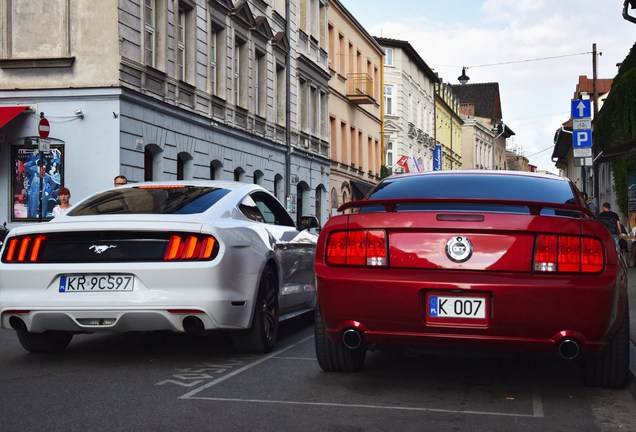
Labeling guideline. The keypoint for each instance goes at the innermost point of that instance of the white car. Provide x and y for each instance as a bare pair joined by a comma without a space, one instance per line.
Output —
180,256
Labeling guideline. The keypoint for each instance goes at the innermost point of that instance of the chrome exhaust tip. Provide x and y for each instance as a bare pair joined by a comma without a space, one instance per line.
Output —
193,325
569,349
352,339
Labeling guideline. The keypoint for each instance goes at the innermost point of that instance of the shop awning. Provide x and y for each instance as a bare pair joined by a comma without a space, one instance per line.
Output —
362,189
8,113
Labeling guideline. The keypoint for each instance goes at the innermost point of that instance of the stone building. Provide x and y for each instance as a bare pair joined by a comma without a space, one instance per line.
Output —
164,90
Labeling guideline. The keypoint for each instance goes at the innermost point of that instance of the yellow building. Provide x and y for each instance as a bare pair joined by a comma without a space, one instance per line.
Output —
448,126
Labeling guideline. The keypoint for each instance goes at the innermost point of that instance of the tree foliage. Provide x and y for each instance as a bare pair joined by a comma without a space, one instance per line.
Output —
616,125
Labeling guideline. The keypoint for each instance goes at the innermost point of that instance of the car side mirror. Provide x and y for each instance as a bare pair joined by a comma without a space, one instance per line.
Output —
308,222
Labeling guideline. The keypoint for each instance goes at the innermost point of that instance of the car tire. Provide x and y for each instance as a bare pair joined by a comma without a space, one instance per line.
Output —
334,356
48,341
262,335
609,368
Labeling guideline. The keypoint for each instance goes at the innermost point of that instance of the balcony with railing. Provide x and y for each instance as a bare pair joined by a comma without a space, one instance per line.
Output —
360,88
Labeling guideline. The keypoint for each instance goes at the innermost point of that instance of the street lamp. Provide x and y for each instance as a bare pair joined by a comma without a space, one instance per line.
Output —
463,78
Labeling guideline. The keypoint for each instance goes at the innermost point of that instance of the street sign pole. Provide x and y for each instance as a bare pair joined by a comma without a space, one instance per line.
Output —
581,113
44,129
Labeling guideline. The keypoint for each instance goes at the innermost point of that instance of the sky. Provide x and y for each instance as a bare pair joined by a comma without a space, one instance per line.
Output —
546,44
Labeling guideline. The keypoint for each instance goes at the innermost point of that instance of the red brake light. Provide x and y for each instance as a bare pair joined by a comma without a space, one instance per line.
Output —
182,247
358,248
592,258
568,254
23,249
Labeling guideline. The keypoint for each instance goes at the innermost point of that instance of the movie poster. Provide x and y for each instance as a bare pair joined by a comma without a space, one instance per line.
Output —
31,182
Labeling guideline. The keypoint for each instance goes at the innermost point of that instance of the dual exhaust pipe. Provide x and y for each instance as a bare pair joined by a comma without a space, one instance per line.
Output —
568,348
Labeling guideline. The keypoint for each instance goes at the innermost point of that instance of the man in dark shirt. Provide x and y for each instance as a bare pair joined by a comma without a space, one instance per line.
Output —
615,225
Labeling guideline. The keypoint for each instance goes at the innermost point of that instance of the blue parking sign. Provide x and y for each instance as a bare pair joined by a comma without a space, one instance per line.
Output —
582,138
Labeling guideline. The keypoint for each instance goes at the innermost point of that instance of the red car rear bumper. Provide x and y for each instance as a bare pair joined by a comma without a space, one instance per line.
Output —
523,314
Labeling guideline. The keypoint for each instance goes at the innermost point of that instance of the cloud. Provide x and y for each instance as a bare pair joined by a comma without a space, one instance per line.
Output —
535,94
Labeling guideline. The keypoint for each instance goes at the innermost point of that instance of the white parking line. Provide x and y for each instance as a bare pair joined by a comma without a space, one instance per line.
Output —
241,370
537,401
383,407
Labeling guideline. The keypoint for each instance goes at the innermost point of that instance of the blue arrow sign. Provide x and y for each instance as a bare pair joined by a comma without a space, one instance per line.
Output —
582,138
581,108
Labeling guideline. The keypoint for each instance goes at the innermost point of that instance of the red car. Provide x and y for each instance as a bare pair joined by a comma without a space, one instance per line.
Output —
492,260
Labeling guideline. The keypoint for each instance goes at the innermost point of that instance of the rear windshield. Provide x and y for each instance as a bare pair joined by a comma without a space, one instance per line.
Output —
500,187
155,200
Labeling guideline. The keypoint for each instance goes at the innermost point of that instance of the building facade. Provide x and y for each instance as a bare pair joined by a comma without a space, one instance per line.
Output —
165,90
448,126
409,107
484,133
355,107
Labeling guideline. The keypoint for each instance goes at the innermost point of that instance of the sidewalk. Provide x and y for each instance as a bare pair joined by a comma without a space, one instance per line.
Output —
631,294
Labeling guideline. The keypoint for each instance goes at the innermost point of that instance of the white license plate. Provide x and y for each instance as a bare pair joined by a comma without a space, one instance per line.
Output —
96,283
456,307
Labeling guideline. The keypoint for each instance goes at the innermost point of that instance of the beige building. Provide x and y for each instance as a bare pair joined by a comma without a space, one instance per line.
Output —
355,107
409,108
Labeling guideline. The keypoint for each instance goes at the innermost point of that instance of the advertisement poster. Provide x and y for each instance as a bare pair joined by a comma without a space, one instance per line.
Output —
27,176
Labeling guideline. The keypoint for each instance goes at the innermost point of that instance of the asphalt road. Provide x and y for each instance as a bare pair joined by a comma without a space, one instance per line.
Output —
161,381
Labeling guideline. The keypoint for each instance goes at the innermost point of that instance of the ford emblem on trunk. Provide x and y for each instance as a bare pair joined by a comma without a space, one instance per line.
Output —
100,249
459,249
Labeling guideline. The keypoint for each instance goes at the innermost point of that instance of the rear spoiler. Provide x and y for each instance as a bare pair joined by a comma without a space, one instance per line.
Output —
535,207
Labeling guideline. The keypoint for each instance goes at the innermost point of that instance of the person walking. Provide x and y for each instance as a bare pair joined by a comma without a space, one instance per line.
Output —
613,223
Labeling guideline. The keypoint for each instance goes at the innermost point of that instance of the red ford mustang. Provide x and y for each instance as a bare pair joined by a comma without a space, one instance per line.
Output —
473,259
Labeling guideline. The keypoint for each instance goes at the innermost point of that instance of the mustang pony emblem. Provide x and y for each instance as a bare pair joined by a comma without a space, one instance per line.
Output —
101,249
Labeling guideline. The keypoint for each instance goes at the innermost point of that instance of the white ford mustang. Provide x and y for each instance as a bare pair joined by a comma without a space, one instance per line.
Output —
180,256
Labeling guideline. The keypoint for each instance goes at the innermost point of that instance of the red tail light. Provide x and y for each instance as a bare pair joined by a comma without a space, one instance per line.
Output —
188,247
568,254
357,248
24,249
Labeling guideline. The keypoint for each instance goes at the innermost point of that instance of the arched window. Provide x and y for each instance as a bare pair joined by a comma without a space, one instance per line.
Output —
321,207
152,162
216,170
239,174
184,166
259,177
279,188
303,204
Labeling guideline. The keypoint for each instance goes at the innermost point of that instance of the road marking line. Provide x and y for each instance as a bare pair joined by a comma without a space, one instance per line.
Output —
537,402
384,407
296,358
243,369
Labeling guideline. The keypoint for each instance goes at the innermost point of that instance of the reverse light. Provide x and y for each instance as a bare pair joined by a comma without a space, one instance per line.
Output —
357,248
189,247
568,254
